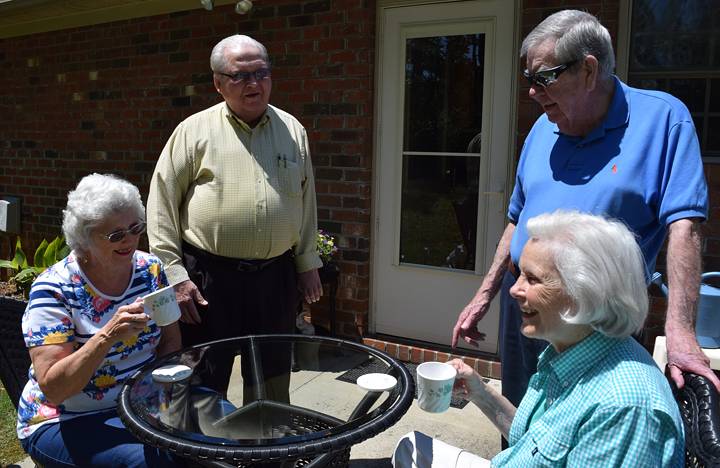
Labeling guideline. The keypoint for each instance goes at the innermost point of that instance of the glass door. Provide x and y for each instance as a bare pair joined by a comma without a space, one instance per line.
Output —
443,162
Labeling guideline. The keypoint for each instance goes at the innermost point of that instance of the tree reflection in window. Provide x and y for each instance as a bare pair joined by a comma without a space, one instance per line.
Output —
675,47
441,150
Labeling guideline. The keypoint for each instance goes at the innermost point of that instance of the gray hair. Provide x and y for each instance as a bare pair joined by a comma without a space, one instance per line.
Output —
578,34
602,270
96,197
218,62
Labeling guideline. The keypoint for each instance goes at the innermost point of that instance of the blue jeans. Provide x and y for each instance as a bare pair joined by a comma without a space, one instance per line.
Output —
97,440
518,354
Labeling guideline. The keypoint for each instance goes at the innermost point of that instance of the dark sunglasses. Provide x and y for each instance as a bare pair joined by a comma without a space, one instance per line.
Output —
136,229
244,77
545,78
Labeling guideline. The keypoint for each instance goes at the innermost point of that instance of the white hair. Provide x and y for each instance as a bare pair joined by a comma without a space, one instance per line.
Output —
577,34
96,197
601,267
218,62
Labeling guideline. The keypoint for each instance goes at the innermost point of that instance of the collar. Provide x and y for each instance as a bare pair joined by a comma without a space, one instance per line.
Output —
570,365
230,115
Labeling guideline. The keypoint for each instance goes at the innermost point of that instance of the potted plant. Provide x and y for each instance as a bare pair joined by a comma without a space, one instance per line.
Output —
327,249
13,301
23,273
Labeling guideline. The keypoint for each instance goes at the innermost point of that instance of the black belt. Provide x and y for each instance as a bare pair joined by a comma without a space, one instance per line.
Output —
238,264
513,269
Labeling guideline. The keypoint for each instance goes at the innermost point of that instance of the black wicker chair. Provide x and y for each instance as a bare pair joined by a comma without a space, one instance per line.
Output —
698,402
14,356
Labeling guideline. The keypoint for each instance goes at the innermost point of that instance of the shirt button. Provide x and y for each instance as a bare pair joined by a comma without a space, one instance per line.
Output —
259,230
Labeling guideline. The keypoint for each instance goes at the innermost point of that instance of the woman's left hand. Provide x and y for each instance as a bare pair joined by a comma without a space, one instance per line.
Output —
468,382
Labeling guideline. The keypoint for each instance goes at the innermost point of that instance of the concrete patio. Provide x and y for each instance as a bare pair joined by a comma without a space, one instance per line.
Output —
467,427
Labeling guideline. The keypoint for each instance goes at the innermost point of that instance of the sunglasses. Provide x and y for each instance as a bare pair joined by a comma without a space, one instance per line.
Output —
545,78
245,77
136,229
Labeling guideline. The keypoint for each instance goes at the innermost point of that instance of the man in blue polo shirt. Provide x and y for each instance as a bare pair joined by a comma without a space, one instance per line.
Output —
604,148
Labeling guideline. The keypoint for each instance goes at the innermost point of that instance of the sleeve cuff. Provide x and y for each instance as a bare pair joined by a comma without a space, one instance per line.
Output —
176,274
699,213
307,261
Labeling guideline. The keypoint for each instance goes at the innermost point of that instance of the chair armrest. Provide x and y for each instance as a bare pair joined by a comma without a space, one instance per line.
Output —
698,403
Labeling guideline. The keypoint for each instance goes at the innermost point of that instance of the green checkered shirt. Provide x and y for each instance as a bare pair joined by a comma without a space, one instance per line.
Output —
607,405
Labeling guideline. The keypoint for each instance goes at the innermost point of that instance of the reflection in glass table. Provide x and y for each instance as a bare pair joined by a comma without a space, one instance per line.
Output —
290,400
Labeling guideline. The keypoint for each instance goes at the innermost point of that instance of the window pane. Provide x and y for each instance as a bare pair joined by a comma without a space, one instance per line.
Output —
691,92
713,136
675,47
662,51
663,16
443,93
715,95
672,34
438,223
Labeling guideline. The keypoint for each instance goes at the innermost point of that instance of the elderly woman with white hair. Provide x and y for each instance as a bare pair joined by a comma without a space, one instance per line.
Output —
87,332
597,399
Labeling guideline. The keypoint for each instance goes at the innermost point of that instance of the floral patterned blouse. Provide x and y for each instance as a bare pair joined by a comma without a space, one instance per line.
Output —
65,307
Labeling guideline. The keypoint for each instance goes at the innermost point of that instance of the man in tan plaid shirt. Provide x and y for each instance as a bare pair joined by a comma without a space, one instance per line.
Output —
232,211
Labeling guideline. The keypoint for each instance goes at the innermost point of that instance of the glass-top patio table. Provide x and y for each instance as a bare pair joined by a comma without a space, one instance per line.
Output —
288,399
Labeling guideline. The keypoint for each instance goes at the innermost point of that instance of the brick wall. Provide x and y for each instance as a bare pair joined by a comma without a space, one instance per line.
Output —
105,98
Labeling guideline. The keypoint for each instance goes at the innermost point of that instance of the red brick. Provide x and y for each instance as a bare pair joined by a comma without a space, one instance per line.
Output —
416,355
429,355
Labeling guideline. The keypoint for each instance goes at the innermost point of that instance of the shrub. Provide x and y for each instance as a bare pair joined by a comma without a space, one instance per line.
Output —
47,254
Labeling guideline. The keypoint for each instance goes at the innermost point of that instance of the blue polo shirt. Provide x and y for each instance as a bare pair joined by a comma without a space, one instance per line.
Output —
641,165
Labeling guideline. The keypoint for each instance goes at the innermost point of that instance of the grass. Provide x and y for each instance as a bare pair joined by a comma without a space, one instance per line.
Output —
10,449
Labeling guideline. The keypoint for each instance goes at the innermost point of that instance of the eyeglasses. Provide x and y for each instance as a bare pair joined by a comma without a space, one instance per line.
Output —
136,229
245,77
545,78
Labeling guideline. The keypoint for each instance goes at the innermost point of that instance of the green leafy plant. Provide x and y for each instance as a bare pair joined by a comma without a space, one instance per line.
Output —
326,246
47,254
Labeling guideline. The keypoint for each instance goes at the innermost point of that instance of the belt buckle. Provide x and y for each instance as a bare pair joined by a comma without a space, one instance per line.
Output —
246,267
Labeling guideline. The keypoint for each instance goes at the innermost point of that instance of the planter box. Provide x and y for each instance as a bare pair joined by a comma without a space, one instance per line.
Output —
14,356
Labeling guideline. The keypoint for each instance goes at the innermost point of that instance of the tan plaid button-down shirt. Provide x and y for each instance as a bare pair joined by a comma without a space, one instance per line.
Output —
234,191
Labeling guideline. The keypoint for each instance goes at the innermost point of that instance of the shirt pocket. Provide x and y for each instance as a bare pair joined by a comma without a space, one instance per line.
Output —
547,449
289,178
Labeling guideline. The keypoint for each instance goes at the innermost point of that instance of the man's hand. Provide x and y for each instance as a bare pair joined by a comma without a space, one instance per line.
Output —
188,295
310,286
684,355
466,326
683,269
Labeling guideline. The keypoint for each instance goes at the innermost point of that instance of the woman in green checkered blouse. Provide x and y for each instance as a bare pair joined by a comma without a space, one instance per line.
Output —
597,399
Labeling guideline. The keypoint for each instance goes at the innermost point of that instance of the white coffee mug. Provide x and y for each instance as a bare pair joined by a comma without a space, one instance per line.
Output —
161,306
435,383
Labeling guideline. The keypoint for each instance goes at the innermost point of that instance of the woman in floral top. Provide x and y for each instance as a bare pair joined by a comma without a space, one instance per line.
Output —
87,332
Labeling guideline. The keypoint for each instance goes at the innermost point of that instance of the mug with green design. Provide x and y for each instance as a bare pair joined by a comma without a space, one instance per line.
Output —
161,306
435,383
